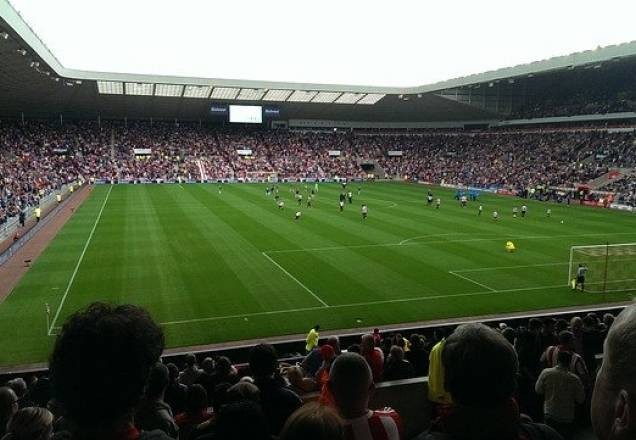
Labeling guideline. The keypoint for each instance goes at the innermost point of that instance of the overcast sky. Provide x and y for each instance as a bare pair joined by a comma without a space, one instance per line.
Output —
360,42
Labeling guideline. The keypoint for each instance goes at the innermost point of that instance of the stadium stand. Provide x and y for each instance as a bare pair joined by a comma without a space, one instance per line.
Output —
37,159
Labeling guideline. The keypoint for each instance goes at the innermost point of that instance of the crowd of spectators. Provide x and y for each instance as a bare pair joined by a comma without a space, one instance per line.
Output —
624,188
106,380
37,158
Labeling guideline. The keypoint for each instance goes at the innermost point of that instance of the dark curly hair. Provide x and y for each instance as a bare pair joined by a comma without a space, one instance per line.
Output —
101,361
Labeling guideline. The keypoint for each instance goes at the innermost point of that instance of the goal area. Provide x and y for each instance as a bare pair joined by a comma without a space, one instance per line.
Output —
610,267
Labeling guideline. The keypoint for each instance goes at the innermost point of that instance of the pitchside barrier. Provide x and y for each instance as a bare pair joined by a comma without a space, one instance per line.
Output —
610,267
45,204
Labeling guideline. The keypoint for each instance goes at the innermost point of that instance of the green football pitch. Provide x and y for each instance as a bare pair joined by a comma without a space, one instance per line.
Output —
215,266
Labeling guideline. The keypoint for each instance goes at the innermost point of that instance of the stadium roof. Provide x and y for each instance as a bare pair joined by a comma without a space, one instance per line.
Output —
34,82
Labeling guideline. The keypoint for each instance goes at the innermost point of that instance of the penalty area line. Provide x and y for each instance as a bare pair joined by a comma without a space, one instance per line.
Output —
311,292
472,281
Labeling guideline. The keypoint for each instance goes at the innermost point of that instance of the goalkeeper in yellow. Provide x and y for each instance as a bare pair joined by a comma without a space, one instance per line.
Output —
510,247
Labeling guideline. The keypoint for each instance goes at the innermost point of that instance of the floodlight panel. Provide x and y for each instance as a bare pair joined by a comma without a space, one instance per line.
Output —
277,95
371,98
141,89
326,97
224,93
251,94
349,98
197,91
109,87
168,90
302,96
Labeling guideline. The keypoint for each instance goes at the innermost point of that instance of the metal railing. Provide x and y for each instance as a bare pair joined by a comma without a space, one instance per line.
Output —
13,224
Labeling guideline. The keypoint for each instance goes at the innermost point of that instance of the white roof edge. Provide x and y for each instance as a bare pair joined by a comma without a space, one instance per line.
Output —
19,25
602,54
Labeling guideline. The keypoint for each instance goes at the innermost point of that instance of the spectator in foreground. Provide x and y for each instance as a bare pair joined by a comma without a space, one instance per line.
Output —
418,356
242,420
207,379
397,368
614,398
313,422
481,370
351,384
577,364
8,407
191,372
373,355
154,412
562,391
19,386
30,424
176,393
99,367
437,392
278,401
225,371
196,411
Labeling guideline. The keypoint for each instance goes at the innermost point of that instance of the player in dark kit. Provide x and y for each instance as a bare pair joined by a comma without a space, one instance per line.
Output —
429,199
342,201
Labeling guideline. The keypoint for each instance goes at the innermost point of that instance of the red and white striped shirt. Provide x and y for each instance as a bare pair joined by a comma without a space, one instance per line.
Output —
375,425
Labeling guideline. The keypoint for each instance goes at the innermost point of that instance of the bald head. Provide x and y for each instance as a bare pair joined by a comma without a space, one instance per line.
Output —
350,382
614,399
480,366
621,350
8,405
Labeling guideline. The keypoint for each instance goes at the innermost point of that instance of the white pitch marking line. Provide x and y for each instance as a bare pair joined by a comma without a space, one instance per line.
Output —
368,303
295,279
422,243
472,281
485,269
79,262
432,235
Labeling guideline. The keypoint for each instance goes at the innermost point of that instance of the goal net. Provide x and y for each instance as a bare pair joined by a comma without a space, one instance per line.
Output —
611,267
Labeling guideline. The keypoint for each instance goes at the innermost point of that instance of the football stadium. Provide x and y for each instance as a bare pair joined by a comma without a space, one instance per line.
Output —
263,251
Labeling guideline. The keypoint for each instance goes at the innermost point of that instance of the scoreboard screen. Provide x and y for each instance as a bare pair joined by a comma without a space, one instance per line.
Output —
246,114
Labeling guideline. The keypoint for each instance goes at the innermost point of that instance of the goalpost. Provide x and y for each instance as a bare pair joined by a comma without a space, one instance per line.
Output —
611,267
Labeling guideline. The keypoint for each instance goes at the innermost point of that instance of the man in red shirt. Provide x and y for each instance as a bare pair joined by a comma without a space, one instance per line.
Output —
373,355
577,364
351,384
